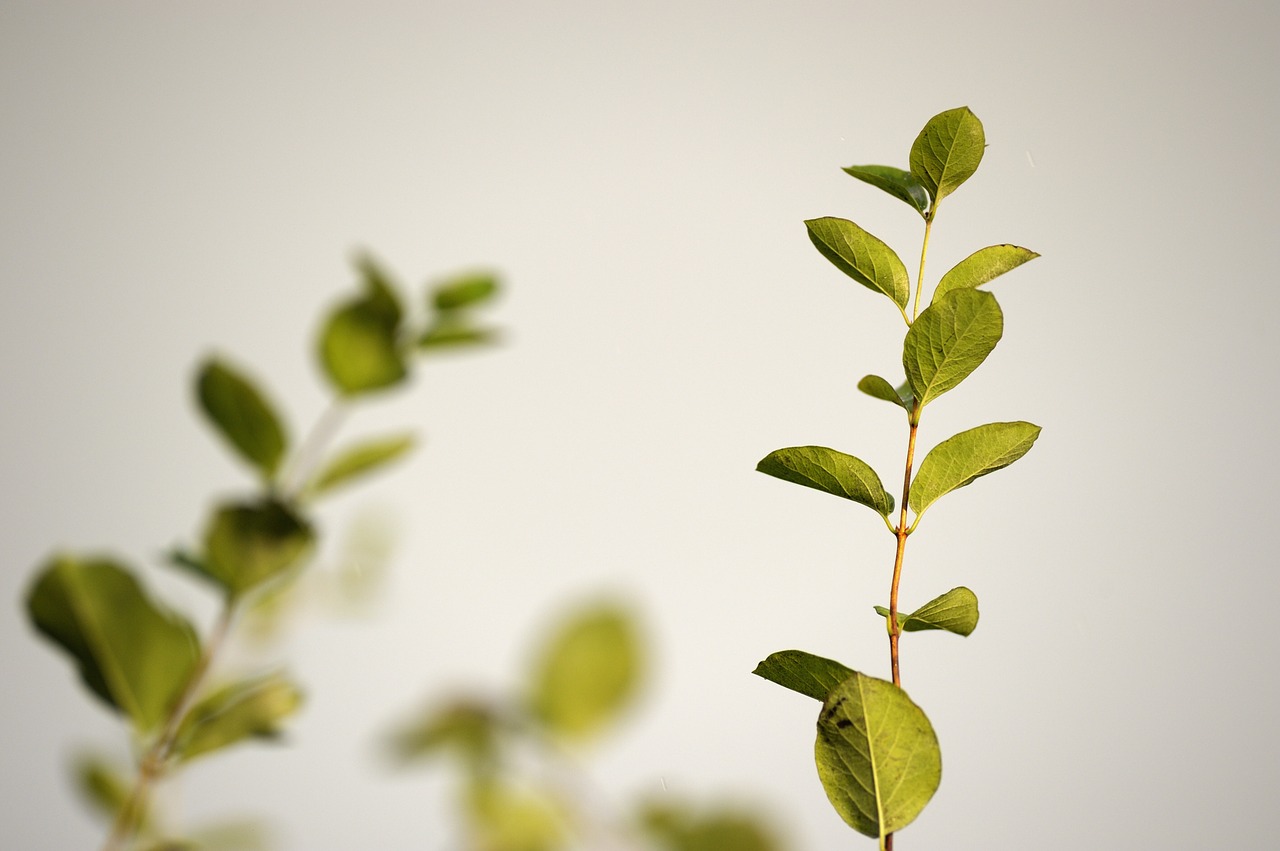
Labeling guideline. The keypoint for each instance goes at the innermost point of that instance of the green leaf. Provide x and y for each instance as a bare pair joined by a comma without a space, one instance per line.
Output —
879,388
359,349
450,331
251,542
249,709
101,783
467,727
958,460
359,460
830,472
464,291
898,183
507,817
241,414
982,266
133,654
588,672
803,672
676,828
877,755
380,292
862,257
947,152
949,340
955,611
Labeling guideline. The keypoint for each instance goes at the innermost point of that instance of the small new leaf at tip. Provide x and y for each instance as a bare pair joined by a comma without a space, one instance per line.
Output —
949,340
982,266
130,652
900,184
877,755
241,414
955,611
880,388
831,472
360,339
947,152
359,460
969,455
862,257
810,675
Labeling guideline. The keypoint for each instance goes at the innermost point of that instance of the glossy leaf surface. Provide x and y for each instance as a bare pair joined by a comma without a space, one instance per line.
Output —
588,672
249,543
810,675
831,472
877,755
947,152
900,184
241,414
130,652
360,460
880,388
962,458
253,709
949,340
955,611
981,267
861,256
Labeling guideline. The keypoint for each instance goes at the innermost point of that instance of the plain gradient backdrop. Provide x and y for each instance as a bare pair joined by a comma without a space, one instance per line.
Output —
181,178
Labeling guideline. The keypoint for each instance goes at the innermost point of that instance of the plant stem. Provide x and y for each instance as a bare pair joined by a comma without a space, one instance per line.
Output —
924,250
901,533
294,479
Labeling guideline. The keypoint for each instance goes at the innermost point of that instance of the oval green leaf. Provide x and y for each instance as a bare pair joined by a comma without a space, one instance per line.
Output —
982,266
947,152
133,654
862,257
451,331
877,755
900,184
679,828
468,728
249,543
810,675
831,472
252,709
241,414
359,350
379,290
588,672
464,291
955,611
949,340
958,460
879,388
359,460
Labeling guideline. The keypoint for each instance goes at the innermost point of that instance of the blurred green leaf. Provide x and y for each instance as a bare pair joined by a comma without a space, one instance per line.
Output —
133,654
101,783
949,340
982,266
451,332
831,472
877,755
955,611
861,256
359,460
505,817
947,152
803,672
359,350
879,388
468,728
588,672
242,415
676,828
464,291
250,542
900,184
380,291
253,708
958,460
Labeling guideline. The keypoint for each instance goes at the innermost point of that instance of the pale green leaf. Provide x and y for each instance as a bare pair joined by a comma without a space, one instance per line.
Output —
588,672
879,388
252,709
877,755
958,460
803,672
249,543
900,184
677,828
982,266
862,257
241,414
130,652
949,340
955,611
507,817
464,291
947,152
830,472
452,332
359,460
466,727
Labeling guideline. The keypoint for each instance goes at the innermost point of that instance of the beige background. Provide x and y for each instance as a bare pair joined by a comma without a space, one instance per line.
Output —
180,177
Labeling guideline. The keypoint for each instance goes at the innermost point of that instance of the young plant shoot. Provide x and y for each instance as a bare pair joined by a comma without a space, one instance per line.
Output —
876,752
